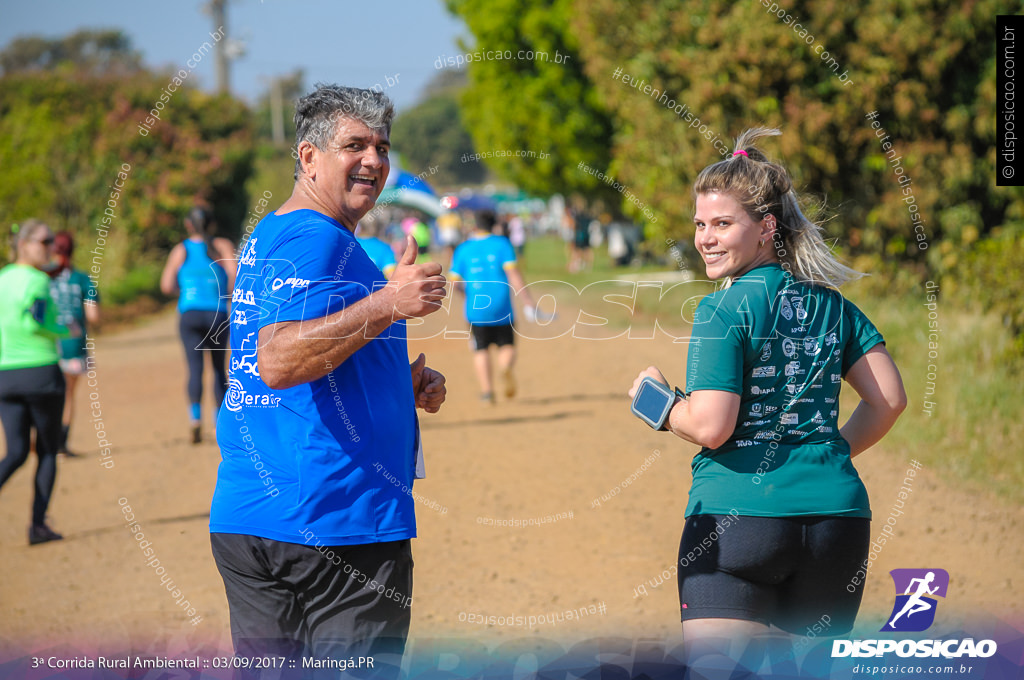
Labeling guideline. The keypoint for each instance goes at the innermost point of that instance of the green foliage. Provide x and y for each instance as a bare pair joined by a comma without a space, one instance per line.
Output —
66,136
971,430
989,280
431,134
96,51
927,67
932,83
520,105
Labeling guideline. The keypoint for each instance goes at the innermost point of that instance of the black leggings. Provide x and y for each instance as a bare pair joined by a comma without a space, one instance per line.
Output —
205,331
32,398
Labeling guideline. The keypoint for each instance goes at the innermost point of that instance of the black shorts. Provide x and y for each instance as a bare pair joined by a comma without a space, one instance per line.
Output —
483,337
296,600
789,572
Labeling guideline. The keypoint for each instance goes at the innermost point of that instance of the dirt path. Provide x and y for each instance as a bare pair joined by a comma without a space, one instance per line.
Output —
567,440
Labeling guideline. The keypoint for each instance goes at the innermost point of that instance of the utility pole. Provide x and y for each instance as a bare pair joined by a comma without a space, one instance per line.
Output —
220,24
277,111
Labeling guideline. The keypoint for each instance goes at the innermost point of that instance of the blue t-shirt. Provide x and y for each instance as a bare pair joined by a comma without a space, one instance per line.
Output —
784,347
334,456
203,282
379,252
481,262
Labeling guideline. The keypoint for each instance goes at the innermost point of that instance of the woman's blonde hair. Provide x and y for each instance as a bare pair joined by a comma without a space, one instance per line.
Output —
763,187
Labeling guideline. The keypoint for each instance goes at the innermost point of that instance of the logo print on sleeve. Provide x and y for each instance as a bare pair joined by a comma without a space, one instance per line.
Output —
246,359
248,258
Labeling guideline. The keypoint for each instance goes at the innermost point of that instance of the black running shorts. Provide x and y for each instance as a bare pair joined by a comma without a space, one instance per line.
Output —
789,572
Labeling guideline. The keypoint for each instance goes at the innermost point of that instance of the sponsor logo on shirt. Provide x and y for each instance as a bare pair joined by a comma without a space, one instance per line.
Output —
246,361
766,351
763,372
744,442
790,419
793,368
836,378
243,297
237,397
787,310
754,389
788,347
294,282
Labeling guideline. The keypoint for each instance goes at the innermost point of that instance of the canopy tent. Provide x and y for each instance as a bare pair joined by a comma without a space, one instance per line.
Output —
406,189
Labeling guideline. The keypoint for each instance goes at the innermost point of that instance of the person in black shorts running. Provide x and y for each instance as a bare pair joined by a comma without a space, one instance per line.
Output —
778,520
201,271
484,267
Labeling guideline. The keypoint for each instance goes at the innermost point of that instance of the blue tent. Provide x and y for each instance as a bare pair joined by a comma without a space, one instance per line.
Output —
406,189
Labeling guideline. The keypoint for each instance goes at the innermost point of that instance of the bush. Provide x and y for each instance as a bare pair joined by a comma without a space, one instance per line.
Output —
990,279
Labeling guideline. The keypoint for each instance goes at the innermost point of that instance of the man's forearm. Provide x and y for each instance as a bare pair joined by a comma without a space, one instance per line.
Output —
297,352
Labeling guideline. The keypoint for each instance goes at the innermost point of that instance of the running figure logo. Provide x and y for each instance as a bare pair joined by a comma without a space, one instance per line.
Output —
914,610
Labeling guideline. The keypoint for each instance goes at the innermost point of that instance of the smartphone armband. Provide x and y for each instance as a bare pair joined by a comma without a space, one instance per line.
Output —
653,402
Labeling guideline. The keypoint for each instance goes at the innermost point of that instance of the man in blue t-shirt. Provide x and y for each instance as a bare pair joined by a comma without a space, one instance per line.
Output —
312,515
484,268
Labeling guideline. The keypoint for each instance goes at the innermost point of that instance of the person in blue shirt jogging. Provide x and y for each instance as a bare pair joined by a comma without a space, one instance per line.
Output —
201,272
484,268
313,514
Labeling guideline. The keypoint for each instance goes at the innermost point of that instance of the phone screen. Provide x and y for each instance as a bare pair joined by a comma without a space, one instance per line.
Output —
650,401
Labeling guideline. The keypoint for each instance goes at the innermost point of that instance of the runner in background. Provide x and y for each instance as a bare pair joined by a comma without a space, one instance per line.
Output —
201,272
77,301
31,384
379,252
484,269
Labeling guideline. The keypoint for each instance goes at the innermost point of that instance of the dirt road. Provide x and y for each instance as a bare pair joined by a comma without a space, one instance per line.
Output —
567,442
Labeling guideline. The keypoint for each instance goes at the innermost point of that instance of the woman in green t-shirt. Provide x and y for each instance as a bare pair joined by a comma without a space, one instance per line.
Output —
778,521
31,384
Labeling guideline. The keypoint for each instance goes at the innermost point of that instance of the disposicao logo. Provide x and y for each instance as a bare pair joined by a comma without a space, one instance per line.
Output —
913,612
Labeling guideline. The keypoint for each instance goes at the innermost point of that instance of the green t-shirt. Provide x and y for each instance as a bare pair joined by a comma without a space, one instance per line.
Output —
784,347
71,290
28,318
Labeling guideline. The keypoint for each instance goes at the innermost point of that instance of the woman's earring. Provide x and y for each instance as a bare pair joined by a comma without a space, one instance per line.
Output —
760,244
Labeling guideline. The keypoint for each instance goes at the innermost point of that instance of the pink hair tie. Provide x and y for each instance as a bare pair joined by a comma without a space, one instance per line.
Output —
741,151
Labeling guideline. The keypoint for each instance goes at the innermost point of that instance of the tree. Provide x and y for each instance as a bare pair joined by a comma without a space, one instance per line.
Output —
545,105
66,136
95,51
432,134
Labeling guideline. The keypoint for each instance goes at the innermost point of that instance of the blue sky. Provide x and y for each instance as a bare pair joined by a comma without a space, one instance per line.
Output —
352,43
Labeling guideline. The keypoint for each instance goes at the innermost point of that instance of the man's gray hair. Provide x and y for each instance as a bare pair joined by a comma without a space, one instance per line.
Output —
317,114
